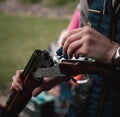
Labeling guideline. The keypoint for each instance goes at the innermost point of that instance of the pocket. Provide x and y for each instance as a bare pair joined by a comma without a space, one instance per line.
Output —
95,18
80,100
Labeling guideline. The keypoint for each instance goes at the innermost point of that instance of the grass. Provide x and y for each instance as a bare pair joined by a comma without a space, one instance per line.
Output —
53,3
61,3
20,36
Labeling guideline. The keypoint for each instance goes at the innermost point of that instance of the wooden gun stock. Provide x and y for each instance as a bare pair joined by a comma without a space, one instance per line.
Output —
17,100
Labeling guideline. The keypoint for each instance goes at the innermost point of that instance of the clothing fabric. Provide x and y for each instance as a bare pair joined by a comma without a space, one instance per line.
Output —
83,13
104,94
74,23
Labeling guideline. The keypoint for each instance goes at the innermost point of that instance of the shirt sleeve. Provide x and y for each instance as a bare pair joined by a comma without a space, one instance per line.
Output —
83,12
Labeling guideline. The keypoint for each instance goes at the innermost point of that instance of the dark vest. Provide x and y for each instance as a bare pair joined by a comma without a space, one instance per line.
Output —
104,100
100,18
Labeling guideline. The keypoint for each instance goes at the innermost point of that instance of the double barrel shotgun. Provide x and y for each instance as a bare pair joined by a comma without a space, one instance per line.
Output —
41,65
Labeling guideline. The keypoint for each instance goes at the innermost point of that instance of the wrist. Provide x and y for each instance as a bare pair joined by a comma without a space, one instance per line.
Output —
116,56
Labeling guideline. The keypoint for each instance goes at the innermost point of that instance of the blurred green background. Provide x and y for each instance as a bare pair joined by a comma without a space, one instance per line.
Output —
20,35
52,3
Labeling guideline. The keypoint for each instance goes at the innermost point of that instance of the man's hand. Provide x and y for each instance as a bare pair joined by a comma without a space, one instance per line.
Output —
46,85
88,42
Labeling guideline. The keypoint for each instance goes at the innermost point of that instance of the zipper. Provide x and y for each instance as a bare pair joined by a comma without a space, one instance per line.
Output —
114,13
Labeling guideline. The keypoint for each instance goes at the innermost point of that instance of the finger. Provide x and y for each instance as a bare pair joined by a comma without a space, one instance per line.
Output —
17,82
73,47
18,77
70,33
77,36
19,73
81,51
86,42
69,40
36,91
78,53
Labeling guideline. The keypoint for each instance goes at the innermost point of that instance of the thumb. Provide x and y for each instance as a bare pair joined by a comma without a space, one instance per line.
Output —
37,91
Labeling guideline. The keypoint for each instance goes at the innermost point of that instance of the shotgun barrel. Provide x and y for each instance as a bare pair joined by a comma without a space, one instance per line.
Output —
18,100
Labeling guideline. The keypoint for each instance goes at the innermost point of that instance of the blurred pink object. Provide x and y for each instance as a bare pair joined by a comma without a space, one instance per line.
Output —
74,23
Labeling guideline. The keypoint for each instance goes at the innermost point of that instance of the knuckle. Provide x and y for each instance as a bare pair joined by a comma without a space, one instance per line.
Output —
86,50
76,54
70,32
88,40
17,71
71,47
13,77
88,30
68,40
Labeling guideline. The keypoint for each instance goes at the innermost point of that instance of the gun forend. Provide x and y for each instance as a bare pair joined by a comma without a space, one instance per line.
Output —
17,100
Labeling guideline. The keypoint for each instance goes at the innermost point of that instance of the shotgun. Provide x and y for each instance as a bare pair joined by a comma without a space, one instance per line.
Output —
17,100
42,65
